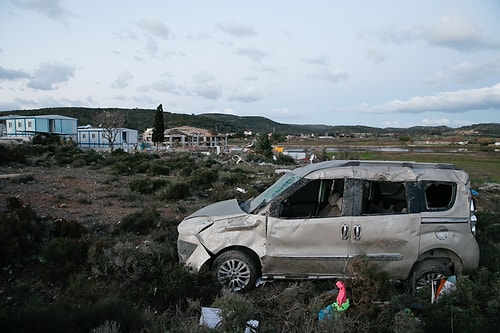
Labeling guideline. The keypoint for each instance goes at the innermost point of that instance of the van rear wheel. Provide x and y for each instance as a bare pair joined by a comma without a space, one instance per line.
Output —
235,270
426,272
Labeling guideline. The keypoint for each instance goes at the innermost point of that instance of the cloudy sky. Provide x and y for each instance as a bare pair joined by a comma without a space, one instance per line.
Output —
377,63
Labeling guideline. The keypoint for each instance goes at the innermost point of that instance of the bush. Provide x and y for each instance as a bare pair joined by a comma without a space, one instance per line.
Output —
157,169
141,222
177,191
66,316
473,307
235,311
21,232
13,153
488,237
285,160
147,185
69,229
65,255
204,179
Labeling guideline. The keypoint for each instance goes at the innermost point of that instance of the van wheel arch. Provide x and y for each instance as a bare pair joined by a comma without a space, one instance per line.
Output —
447,257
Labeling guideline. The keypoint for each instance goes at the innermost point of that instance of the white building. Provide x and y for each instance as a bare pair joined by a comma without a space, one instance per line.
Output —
26,127
193,137
96,138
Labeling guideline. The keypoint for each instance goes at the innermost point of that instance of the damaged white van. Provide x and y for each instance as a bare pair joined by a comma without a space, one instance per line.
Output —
414,220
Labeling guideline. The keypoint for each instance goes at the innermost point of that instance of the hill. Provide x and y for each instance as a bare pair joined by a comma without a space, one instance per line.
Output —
141,119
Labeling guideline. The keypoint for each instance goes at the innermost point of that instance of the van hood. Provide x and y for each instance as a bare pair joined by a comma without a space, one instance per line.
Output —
222,208
206,216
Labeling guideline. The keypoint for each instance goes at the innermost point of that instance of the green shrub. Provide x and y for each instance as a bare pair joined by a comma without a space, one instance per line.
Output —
21,232
177,191
473,307
147,185
66,316
65,255
157,169
141,221
488,237
285,160
204,178
13,153
23,179
235,311
67,229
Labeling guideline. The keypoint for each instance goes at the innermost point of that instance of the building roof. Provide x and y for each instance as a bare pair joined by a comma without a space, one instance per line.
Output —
49,116
188,130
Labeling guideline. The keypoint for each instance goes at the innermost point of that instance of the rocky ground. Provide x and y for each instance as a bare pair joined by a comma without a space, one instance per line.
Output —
82,194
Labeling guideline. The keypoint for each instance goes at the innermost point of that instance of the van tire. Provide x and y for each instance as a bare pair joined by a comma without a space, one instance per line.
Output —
426,271
235,270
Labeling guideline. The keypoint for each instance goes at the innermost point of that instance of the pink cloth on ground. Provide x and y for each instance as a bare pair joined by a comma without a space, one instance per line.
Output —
341,297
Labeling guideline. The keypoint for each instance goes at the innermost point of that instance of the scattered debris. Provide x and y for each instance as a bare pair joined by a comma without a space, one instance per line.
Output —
211,318
442,287
333,310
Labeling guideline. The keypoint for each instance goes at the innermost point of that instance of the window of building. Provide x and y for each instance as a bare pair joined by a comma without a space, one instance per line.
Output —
93,135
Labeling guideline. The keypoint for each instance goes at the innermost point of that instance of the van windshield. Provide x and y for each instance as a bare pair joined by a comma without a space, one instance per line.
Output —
272,192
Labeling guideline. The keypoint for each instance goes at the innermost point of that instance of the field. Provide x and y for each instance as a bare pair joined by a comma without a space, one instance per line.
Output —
87,243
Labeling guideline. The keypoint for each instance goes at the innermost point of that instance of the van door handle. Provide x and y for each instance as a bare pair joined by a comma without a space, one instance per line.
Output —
357,232
345,231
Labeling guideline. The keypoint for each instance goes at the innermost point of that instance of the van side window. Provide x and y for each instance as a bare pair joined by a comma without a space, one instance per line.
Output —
439,195
317,198
381,197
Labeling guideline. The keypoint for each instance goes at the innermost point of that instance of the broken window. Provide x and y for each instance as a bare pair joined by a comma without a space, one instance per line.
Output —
381,197
439,196
317,198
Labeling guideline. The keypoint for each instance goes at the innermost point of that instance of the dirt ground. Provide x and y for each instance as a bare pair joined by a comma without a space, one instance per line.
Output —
83,194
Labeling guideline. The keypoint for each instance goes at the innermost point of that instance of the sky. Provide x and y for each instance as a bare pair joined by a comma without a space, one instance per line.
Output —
386,63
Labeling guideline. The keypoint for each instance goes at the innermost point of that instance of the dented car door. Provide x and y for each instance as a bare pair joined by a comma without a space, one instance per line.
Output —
306,247
382,229
300,242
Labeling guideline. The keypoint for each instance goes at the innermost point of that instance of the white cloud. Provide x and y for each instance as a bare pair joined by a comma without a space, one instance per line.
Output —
249,95
236,29
330,76
252,53
318,60
154,28
459,33
50,8
206,86
436,122
11,74
48,75
450,102
451,31
122,80
376,56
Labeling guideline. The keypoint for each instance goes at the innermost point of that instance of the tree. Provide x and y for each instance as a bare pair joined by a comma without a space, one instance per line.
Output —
110,122
263,145
158,127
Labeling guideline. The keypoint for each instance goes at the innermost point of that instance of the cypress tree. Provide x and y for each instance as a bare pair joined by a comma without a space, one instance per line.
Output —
158,127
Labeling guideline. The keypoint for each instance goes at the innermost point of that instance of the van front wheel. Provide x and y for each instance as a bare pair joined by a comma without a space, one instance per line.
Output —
235,270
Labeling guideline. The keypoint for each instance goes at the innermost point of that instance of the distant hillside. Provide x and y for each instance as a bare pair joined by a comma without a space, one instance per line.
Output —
141,119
